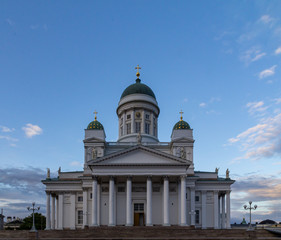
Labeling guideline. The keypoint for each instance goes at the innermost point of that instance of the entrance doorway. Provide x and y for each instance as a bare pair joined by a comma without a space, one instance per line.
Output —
139,219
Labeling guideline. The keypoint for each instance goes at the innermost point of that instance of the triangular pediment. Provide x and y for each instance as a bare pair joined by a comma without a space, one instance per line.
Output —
139,155
93,140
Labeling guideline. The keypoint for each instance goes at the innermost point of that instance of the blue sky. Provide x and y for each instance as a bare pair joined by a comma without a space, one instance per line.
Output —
218,61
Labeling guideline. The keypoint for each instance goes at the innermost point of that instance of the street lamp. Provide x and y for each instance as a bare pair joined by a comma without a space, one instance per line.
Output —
250,208
33,208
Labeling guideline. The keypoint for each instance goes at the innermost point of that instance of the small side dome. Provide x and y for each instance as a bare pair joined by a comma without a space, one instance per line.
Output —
138,87
95,125
181,125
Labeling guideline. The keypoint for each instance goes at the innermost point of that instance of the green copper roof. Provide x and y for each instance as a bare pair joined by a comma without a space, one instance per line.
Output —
95,125
181,125
138,88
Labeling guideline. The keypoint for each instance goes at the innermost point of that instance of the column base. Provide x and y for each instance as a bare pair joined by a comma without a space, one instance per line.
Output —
166,225
111,225
129,225
149,225
72,228
94,225
59,229
183,224
47,229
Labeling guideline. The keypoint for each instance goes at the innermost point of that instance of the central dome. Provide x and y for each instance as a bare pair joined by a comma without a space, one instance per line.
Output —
138,87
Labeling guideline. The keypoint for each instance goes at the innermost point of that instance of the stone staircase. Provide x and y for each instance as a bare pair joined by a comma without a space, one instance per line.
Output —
143,233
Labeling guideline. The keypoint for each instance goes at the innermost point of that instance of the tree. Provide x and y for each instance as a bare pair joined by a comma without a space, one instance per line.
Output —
40,222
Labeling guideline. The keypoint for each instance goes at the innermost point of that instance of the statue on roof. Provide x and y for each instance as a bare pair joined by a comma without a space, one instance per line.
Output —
227,173
217,170
48,173
183,153
139,138
94,153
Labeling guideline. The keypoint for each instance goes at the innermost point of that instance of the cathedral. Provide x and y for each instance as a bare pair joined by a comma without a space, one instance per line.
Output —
138,180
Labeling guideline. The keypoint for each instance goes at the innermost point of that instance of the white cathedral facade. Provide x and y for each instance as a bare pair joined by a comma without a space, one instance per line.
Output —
138,180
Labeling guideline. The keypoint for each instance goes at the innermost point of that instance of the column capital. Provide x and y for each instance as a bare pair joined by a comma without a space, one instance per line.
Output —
192,188
183,176
216,191
129,177
228,191
165,177
204,191
149,177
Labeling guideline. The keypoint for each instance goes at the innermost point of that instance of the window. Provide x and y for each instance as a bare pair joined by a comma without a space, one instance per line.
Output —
147,126
104,189
156,189
80,198
121,130
128,126
91,195
196,198
121,189
138,207
128,116
138,127
154,126
80,217
147,116
197,217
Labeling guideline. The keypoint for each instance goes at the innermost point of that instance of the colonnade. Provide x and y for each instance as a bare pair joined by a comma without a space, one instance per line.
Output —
221,206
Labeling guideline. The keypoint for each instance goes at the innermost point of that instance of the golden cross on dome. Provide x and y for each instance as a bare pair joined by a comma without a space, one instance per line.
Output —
181,112
95,112
138,68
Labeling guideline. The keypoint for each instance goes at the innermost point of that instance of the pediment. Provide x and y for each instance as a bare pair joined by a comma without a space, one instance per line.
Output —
139,155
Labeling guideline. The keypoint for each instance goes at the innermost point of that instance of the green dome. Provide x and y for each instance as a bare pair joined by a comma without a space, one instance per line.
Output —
138,88
95,125
181,125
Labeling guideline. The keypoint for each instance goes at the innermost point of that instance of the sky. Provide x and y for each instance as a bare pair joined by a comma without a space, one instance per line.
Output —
217,61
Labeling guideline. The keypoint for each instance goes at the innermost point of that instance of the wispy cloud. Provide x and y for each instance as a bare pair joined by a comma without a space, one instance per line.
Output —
277,51
202,104
267,72
9,21
8,138
31,130
266,19
251,55
262,140
6,129
76,163
254,107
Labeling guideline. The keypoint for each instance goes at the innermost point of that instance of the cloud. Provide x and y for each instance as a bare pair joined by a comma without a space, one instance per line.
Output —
9,21
8,138
202,104
266,19
252,55
267,72
264,191
19,187
31,130
256,107
262,140
277,51
76,163
6,129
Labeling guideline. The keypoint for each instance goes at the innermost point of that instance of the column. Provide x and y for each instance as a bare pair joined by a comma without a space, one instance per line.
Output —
72,210
85,207
53,211
94,203
204,207
133,122
192,207
219,212
129,202
111,202
149,201
142,122
48,220
228,209
223,212
57,212
216,210
124,127
166,219
183,201
99,188
179,201
60,218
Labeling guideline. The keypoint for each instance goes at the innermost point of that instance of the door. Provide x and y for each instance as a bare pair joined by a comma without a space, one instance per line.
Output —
139,219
